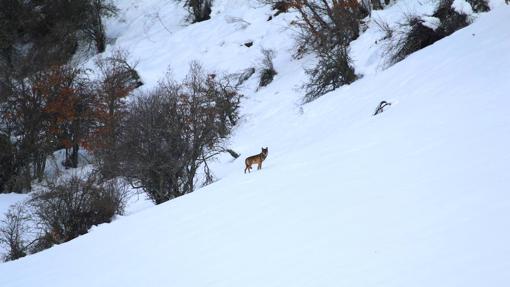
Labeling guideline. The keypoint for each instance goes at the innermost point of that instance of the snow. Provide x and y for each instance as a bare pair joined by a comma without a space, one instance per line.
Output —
463,7
431,22
415,196
8,199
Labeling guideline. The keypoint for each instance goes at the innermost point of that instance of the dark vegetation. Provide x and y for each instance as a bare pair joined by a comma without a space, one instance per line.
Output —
268,71
37,34
199,10
45,102
66,210
61,212
326,29
418,35
158,143
61,107
117,79
479,5
173,130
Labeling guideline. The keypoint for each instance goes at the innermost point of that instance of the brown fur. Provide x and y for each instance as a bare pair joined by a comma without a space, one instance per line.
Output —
255,159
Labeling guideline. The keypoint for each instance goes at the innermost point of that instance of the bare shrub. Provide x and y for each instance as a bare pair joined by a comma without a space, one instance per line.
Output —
68,209
327,28
327,24
173,130
451,20
384,27
479,5
14,229
333,70
268,72
199,10
417,35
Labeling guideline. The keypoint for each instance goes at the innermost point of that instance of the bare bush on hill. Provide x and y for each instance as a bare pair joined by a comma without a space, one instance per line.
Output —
327,28
268,71
175,129
415,34
14,232
199,10
68,209
61,211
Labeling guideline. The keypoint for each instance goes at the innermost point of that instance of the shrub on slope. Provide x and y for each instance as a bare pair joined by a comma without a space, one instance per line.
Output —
418,32
173,130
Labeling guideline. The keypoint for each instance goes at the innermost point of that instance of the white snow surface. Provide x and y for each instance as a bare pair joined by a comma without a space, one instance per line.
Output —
463,7
9,199
415,196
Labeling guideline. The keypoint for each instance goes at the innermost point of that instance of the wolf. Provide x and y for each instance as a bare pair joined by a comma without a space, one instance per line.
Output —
258,159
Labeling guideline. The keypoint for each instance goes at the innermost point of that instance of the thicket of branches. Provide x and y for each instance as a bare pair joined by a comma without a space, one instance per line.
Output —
199,10
66,210
61,107
268,71
158,142
15,233
117,79
326,29
417,34
46,103
174,130
62,211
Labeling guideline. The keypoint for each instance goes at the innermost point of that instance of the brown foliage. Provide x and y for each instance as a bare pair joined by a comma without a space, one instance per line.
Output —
117,79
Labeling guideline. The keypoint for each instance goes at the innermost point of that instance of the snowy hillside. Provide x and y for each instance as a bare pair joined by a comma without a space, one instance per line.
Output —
415,196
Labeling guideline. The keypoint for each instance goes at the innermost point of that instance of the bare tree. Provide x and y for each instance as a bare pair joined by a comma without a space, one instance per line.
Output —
14,229
117,79
172,131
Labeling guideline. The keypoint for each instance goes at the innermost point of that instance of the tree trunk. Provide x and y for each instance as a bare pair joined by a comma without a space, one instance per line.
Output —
74,156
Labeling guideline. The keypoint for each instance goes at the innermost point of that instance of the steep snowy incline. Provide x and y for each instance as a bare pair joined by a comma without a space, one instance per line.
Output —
416,196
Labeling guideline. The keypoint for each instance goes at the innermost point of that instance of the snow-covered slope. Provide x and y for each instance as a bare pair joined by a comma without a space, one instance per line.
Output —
415,196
